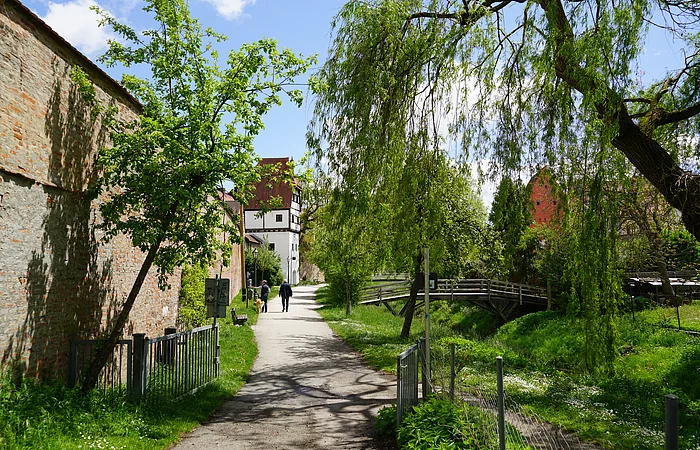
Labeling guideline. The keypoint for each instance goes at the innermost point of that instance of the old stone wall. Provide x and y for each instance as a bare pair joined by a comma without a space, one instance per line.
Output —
233,270
58,280
309,272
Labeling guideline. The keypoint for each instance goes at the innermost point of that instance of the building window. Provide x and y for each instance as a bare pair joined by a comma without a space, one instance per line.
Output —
278,218
271,246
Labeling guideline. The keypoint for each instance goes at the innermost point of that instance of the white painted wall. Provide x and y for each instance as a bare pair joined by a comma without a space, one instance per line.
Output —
287,246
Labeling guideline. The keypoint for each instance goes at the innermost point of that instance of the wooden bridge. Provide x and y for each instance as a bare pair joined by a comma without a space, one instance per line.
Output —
497,297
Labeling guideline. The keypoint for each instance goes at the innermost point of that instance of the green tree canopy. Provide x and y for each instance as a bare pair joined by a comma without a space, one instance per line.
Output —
161,174
265,266
510,216
547,81
520,84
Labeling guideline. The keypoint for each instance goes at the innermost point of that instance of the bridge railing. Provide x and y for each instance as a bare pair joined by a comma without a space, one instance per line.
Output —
384,290
485,286
516,291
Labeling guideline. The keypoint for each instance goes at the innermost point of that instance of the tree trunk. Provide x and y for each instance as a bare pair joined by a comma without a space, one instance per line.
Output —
665,281
411,307
680,187
104,352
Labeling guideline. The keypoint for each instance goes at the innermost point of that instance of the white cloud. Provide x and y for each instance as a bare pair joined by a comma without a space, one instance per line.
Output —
230,9
77,24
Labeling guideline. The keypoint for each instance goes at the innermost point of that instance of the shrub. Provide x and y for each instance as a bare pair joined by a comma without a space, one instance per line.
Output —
337,284
386,421
192,310
436,424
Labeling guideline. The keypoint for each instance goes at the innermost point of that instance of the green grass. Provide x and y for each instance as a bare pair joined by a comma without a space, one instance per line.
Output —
689,314
51,416
371,331
545,369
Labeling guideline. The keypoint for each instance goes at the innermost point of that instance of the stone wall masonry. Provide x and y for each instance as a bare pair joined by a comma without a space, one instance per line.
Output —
58,280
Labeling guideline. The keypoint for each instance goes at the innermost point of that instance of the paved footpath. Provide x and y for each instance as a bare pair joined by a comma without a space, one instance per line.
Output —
307,389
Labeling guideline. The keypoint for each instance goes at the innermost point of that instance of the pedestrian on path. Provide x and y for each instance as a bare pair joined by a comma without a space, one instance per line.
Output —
307,390
264,293
285,293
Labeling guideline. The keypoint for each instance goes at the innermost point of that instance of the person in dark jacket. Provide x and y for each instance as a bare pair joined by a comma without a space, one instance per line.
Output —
264,293
285,293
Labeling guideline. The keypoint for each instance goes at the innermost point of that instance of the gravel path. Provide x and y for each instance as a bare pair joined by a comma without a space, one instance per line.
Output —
307,389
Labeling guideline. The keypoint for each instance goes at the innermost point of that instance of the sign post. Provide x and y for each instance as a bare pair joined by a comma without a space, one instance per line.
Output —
426,289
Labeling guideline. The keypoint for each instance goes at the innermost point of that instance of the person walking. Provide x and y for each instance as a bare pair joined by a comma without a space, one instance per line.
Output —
285,293
264,293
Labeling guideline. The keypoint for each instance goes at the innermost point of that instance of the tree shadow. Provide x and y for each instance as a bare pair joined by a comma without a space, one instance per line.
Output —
67,285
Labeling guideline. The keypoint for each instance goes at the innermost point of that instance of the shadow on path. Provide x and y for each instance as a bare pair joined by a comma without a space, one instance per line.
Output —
307,390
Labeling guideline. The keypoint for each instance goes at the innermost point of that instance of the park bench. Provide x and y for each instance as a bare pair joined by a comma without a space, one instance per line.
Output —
238,319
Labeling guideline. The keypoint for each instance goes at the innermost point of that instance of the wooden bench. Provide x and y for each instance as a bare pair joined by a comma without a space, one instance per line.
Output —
238,319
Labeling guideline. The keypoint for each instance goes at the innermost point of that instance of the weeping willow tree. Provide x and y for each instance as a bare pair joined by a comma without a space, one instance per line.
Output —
519,83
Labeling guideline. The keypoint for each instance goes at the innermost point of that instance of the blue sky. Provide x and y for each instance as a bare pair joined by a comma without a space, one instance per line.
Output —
303,26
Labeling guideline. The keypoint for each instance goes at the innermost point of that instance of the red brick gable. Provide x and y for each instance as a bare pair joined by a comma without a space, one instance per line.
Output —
267,189
544,203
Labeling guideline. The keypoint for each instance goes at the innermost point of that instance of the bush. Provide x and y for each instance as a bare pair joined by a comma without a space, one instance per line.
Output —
192,311
267,265
337,285
684,250
437,424
386,421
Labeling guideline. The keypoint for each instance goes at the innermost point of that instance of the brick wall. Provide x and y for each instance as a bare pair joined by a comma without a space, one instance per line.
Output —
544,203
233,270
58,281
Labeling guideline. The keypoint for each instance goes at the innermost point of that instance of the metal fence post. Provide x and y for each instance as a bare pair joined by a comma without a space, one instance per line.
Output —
218,352
671,422
452,371
169,347
399,392
424,375
501,407
140,367
73,364
187,362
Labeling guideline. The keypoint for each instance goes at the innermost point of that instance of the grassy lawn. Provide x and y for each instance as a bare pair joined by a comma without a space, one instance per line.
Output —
370,330
689,315
51,416
545,368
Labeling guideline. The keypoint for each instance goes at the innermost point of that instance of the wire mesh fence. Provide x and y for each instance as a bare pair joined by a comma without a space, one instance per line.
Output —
407,381
474,387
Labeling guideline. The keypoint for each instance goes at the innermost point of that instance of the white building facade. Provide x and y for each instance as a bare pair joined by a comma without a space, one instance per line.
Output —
280,227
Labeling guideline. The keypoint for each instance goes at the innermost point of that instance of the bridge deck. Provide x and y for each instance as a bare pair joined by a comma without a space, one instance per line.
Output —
494,296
